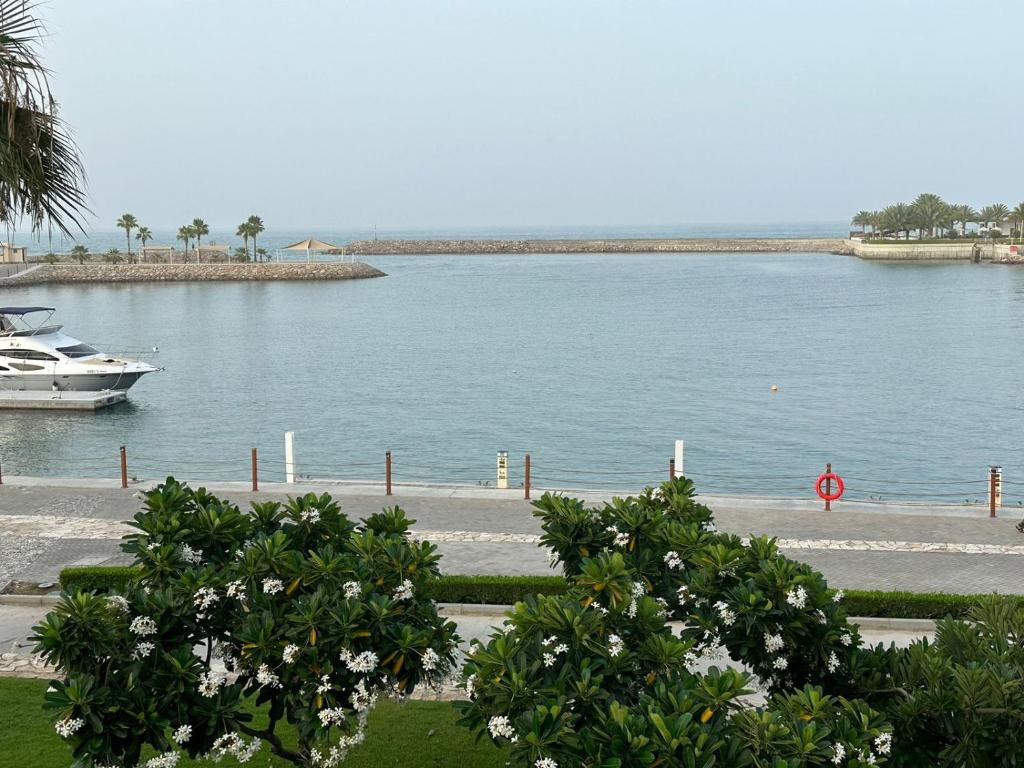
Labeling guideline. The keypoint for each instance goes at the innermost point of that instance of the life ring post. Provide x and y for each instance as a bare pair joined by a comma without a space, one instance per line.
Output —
828,486
823,487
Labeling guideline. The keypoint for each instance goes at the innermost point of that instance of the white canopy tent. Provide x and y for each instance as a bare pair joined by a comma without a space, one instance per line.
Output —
311,245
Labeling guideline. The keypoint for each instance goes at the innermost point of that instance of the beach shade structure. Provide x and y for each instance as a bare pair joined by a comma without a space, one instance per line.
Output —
309,245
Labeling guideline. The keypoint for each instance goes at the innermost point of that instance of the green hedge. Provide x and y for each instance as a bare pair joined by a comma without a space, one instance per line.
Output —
504,590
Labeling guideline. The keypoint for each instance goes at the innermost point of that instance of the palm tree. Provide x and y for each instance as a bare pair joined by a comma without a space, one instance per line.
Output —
1017,216
128,222
185,234
255,227
41,172
931,212
862,219
898,218
994,214
964,214
244,231
79,253
199,229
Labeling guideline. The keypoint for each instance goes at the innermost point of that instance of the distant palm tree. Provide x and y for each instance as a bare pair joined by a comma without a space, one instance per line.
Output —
862,219
185,234
994,214
1017,216
127,222
898,218
255,227
80,253
199,228
41,173
964,214
930,212
244,231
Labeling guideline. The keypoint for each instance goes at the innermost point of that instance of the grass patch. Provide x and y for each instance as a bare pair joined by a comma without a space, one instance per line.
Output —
418,734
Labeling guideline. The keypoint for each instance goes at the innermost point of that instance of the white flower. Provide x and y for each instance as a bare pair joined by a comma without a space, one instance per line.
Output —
166,760
838,753
182,734
549,660
725,613
471,686
209,683
838,596
232,744
822,618
499,725
329,717
709,527
561,648
68,726
325,684
143,626
683,594
290,653
615,645
549,641
773,643
883,743
846,638
264,676
351,589
205,597
797,597
118,603
621,539
545,762
691,658
362,699
639,590
833,662
272,586
189,555
673,560
781,662
236,589
311,516
142,650
430,659
404,591
364,663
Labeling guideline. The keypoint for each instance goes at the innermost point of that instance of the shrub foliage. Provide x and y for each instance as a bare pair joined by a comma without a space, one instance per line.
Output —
291,607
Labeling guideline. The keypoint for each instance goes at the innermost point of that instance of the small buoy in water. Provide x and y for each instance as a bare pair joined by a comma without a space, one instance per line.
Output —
775,387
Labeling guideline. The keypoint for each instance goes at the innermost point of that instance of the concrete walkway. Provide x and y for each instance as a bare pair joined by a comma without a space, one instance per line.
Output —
48,524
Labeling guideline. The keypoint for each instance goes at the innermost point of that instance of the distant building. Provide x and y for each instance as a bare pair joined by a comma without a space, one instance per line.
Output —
13,254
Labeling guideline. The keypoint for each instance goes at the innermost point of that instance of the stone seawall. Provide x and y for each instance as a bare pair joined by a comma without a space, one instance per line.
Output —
182,273
666,245
894,251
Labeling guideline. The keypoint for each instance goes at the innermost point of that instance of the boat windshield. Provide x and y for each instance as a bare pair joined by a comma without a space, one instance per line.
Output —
78,350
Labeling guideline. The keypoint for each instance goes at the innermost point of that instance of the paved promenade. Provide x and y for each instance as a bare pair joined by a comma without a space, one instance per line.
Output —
46,525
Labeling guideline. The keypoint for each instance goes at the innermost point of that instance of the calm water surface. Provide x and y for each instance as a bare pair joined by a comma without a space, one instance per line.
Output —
592,363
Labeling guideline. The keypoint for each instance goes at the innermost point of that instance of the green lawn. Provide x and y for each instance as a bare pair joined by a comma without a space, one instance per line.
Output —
419,734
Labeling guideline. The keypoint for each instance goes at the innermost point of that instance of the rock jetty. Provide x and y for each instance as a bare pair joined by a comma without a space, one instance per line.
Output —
187,273
617,245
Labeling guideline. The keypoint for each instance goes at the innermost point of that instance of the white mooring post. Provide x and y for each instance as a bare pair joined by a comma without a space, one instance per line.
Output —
503,469
679,458
289,457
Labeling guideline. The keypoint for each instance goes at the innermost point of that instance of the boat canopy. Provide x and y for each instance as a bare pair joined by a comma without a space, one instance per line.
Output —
24,310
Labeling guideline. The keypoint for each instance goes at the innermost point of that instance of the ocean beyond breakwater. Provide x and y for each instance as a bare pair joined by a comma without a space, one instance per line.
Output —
610,245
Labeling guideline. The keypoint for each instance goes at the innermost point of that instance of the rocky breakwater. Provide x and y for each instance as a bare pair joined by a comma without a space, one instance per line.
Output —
187,273
617,245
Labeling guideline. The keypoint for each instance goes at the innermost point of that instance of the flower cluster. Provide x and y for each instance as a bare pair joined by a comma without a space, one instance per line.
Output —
231,744
236,590
311,516
68,726
500,727
431,660
143,626
404,591
797,597
142,650
204,598
189,555
118,603
290,653
673,560
272,586
265,676
615,645
725,613
182,734
621,537
351,589
210,682
331,716
166,760
364,663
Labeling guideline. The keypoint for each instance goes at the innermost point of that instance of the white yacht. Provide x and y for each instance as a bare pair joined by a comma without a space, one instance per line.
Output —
42,357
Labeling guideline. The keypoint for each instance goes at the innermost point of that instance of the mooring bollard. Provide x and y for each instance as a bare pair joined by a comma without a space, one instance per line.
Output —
995,489
387,473
526,477
124,467
672,469
255,472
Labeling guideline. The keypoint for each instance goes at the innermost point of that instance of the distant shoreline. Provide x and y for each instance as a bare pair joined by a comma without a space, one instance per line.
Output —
608,245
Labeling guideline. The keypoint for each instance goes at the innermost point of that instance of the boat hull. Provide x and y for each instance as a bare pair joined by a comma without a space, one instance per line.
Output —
83,382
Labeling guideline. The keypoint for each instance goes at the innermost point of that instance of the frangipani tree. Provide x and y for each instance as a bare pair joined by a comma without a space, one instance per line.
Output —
291,608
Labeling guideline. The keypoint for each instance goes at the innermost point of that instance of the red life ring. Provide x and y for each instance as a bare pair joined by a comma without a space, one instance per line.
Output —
833,495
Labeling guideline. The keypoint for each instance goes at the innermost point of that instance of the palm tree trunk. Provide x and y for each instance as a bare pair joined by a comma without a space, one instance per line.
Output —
128,236
254,246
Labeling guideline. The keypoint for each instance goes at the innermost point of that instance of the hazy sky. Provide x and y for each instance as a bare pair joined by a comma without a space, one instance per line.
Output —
433,114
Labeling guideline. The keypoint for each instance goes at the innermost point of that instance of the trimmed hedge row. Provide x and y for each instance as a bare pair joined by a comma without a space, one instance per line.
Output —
504,590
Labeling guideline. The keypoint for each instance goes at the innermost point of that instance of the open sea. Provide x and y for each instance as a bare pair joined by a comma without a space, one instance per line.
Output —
906,376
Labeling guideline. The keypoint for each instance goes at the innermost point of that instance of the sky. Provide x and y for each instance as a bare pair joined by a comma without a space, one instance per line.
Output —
440,114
